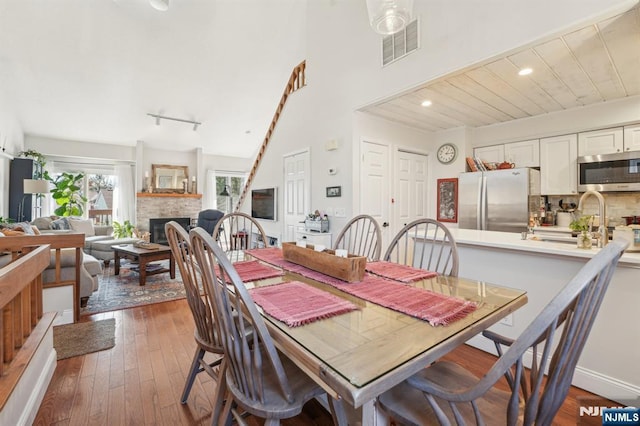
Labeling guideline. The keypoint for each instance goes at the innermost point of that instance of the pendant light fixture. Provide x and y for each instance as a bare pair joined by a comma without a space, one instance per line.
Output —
161,5
389,16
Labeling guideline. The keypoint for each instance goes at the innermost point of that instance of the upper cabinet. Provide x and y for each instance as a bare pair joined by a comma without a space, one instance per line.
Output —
605,141
559,165
490,154
523,154
632,138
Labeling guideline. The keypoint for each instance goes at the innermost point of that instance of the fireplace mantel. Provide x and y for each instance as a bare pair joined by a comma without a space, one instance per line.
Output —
166,195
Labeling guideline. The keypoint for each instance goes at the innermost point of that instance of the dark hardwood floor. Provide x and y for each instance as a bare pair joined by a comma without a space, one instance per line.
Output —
140,380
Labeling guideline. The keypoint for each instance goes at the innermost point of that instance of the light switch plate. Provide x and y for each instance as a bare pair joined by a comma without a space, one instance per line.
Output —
508,320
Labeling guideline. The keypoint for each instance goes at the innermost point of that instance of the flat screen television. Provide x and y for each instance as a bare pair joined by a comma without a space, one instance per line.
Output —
264,203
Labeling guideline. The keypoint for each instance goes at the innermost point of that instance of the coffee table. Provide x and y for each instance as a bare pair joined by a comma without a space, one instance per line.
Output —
143,257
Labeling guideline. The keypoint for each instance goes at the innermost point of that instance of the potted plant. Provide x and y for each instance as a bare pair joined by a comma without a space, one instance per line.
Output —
67,193
583,226
38,159
124,230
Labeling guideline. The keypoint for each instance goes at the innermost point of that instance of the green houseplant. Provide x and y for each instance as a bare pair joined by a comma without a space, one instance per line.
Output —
67,193
123,230
38,159
583,226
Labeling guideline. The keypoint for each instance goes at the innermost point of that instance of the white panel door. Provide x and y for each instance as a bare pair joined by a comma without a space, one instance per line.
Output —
411,188
297,192
375,181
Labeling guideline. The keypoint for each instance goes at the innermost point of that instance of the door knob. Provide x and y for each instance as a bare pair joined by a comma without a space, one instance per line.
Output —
385,224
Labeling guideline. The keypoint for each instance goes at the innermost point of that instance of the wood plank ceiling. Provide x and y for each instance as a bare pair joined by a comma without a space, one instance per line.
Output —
597,63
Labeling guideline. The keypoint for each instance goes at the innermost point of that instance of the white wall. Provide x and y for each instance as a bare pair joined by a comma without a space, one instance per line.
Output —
344,74
71,148
12,141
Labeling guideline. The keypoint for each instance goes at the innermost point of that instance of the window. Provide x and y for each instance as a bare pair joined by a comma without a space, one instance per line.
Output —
234,184
98,185
100,198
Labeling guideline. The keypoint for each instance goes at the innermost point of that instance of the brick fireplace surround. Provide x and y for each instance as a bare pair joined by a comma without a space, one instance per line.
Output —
154,205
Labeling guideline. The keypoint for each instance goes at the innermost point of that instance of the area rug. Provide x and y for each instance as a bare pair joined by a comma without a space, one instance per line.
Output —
122,291
81,338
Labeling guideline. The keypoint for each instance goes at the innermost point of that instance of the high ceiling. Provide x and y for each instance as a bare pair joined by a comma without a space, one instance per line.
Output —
91,70
597,63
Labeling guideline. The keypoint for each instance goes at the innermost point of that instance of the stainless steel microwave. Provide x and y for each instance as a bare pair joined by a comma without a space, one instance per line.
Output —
609,172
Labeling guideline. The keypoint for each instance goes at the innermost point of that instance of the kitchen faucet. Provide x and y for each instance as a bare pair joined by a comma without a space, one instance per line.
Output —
603,237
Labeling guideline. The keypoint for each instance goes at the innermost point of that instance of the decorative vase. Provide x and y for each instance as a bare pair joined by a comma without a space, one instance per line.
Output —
584,240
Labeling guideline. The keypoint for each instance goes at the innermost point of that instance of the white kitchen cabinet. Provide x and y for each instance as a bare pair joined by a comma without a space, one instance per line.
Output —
604,141
559,165
632,138
490,154
523,154
315,238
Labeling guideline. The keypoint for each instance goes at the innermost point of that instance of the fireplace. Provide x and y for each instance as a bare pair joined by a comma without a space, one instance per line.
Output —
156,227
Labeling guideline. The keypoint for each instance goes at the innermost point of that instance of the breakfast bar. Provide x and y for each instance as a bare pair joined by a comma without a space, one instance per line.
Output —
609,363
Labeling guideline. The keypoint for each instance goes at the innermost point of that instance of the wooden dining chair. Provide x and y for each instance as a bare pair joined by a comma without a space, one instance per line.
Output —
361,236
258,380
449,393
235,232
206,334
425,244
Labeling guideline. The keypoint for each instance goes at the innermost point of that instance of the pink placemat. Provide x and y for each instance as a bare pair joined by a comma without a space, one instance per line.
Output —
252,270
437,309
296,303
397,272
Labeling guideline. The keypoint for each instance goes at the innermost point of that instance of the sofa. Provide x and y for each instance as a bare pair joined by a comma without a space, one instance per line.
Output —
90,270
98,239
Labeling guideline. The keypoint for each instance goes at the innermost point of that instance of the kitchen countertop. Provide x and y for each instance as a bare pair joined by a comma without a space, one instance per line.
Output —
513,241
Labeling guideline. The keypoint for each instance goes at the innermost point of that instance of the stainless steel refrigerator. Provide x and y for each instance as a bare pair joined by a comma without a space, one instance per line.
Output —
498,200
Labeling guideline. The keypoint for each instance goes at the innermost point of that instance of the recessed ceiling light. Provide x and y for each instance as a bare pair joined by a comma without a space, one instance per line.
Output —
525,71
426,103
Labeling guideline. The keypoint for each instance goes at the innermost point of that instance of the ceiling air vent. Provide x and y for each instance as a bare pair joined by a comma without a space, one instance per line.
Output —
400,44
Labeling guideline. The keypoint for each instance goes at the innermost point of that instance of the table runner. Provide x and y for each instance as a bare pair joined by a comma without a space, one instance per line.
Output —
398,272
437,309
252,270
296,303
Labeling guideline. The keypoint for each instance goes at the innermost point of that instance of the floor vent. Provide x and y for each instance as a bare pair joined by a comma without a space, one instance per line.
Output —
400,44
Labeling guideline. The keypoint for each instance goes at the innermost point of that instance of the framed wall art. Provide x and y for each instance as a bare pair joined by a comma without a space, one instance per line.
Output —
447,200
334,191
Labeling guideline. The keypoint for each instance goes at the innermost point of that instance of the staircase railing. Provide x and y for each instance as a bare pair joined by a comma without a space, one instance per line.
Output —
296,81
23,325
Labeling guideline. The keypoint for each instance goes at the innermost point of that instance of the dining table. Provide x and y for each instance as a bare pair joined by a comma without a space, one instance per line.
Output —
359,353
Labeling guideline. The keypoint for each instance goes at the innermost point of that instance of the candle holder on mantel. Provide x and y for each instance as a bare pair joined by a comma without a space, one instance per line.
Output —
147,185
194,187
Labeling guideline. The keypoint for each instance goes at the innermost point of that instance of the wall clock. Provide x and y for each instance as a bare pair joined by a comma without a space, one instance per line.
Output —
447,153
